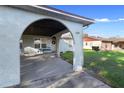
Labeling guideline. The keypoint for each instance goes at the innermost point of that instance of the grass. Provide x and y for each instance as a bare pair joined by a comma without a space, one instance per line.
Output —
107,65
68,56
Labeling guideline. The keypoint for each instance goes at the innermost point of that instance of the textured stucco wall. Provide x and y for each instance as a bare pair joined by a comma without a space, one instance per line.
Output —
28,41
12,24
66,45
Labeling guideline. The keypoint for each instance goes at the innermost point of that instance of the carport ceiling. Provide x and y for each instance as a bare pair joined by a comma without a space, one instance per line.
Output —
46,27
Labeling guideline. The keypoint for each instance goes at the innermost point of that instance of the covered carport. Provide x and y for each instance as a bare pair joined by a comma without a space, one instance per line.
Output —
20,20
44,29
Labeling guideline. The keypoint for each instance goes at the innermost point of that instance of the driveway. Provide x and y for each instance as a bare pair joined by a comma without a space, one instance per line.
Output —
50,71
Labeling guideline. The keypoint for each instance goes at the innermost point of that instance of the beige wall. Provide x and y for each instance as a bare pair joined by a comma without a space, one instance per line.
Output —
118,46
106,46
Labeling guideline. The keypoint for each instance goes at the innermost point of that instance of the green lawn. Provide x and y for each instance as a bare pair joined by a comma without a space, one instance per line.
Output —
107,65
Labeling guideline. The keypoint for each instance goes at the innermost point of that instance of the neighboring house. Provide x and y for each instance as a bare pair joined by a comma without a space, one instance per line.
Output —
88,43
91,42
118,44
104,44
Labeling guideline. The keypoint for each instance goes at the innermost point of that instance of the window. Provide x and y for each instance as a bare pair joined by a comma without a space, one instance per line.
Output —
37,45
116,45
44,46
86,43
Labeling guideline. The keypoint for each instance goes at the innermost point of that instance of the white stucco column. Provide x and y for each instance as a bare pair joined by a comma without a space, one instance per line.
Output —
77,34
78,51
58,37
57,45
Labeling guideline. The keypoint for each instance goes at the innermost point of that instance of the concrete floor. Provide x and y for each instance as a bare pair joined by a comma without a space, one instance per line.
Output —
50,71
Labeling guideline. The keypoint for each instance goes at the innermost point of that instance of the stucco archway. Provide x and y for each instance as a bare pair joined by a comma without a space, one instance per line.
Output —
11,31
45,28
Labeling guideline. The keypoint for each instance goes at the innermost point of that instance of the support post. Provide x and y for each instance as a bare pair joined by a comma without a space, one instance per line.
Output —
57,45
78,51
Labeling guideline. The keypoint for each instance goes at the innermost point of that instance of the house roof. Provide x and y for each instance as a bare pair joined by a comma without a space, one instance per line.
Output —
114,40
90,39
106,40
46,10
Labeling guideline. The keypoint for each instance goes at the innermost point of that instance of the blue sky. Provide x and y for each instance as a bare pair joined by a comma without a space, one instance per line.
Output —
109,19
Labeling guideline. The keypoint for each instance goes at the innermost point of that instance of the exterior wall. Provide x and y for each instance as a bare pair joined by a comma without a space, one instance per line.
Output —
118,46
106,46
66,45
114,47
28,41
12,24
66,42
121,45
90,44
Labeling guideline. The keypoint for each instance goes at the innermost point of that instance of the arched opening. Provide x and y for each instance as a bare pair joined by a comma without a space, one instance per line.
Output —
39,47
66,47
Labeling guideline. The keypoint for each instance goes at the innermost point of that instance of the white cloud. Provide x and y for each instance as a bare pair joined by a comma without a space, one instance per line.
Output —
109,20
103,20
121,19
